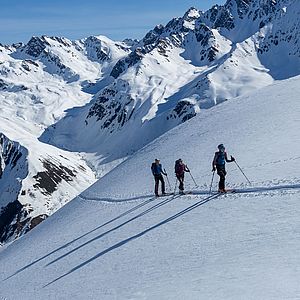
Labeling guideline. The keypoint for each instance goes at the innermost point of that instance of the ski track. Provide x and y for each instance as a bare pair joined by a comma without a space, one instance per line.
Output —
250,190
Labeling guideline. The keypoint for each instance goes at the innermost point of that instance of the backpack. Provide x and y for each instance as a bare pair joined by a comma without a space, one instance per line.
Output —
156,169
179,168
220,160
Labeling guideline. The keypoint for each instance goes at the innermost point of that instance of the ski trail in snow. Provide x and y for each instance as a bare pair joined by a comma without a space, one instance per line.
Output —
263,189
113,200
127,240
199,192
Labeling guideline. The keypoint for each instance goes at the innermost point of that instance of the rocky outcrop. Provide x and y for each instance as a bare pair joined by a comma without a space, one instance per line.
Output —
13,168
110,110
47,181
15,221
10,153
123,64
36,46
184,110
96,49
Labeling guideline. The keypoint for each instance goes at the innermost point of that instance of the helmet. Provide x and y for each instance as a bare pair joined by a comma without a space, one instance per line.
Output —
221,147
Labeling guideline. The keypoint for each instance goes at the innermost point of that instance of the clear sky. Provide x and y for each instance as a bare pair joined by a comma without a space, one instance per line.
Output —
74,19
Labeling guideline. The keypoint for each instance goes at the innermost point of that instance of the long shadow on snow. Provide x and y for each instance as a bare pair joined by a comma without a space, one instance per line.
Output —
125,241
113,229
81,236
101,235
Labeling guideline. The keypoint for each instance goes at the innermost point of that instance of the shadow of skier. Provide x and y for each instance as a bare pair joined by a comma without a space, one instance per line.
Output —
125,241
95,229
156,206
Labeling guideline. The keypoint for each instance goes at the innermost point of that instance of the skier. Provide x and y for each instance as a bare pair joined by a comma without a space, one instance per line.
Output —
219,164
180,168
157,172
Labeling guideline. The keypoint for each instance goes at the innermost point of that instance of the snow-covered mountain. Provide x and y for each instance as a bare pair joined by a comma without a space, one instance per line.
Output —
116,241
73,110
192,63
39,82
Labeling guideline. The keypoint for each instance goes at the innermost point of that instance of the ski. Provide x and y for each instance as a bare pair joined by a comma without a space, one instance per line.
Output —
229,191
184,193
164,195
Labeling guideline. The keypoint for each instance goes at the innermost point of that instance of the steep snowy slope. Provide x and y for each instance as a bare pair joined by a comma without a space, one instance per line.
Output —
115,241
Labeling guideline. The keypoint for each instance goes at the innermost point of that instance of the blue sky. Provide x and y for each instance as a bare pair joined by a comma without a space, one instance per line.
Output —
74,19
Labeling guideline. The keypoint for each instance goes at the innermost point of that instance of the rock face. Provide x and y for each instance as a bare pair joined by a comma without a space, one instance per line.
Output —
13,168
28,196
15,221
97,101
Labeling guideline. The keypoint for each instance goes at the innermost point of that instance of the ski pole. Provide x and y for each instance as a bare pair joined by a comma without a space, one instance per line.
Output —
242,172
175,185
168,179
192,177
212,180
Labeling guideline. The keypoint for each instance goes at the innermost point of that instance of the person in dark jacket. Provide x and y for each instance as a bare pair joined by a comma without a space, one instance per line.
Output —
180,168
157,172
218,164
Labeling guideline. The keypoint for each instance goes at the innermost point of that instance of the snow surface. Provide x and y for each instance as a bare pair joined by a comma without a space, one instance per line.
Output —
115,241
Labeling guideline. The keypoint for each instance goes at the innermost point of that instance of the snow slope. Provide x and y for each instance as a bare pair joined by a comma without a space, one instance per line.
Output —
80,108
115,241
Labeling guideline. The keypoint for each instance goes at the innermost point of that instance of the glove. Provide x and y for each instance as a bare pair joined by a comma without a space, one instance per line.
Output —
232,158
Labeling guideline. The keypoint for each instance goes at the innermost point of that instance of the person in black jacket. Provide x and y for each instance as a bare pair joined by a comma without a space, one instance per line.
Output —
180,168
218,164
157,172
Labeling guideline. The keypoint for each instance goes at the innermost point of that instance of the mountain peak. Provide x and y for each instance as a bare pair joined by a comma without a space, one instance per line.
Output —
36,46
192,12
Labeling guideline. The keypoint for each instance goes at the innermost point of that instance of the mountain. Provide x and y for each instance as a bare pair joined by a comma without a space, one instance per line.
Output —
116,241
39,82
192,63
74,110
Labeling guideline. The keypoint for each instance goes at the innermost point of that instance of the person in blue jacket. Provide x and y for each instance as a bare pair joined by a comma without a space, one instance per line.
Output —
218,164
157,172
